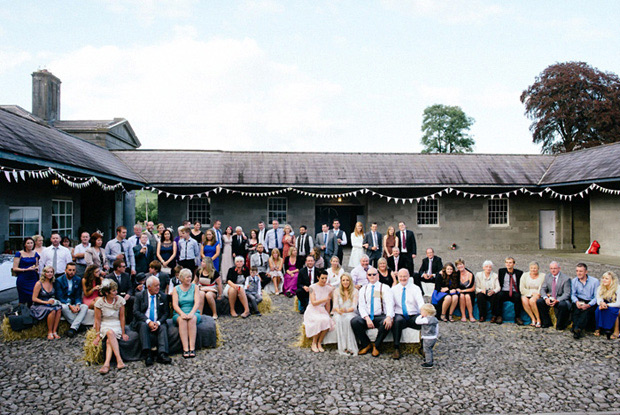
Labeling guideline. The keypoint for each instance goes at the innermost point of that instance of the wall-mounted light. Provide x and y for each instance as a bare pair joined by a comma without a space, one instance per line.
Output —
55,182
339,199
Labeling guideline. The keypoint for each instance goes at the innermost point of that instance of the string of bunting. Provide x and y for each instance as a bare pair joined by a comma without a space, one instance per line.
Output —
72,181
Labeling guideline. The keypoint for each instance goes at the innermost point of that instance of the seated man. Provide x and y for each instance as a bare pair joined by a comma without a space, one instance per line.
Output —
154,270
143,253
509,280
358,274
396,262
260,260
554,292
68,289
431,265
306,277
407,302
583,298
150,312
376,308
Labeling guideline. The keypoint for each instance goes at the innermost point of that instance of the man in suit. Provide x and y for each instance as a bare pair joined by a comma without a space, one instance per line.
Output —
304,242
68,289
155,271
431,266
262,232
372,243
326,242
406,242
396,262
125,285
307,276
238,243
143,254
150,312
555,292
341,239
509,280
150,231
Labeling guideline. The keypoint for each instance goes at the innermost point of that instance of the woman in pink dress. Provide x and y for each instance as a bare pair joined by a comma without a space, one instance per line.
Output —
288,240
291,270
317,320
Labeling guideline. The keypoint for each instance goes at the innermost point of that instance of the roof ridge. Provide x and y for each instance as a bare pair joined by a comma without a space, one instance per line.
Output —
329,152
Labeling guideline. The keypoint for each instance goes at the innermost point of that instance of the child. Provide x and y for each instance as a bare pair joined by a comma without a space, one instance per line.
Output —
428,321
253,290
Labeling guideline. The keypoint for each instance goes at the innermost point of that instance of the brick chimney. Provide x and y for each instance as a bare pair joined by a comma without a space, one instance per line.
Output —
46,96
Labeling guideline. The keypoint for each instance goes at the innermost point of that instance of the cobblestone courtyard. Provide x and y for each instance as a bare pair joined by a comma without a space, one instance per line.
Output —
480,368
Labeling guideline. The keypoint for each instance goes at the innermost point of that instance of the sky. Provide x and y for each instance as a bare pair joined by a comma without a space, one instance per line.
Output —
267,75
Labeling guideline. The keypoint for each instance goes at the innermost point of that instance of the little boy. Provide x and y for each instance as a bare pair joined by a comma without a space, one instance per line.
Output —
428,321
253,290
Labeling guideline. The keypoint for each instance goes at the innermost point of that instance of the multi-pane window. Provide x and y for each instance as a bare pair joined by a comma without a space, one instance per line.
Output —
23,222
276,209
498,211
199,209
428,212
62,217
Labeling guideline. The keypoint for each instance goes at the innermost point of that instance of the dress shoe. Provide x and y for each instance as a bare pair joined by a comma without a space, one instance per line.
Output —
519,321
427,365
375,351
493,319
396,354
365,350
71,333
164,358
482,319
499,320
148,360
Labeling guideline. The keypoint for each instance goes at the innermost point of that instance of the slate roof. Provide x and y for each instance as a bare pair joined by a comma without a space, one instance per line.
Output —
165,168
23,136
587,165
88,125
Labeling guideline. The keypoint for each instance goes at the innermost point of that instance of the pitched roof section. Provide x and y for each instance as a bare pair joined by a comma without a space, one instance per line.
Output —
183,168
24,137
587,165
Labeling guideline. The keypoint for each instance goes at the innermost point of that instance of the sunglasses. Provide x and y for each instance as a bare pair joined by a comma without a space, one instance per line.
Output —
372,273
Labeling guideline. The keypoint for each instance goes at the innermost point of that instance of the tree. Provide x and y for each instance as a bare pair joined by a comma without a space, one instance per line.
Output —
146,201
573,106
445,130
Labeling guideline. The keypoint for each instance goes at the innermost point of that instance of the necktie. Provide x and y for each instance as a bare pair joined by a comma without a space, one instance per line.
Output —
374,239
186,248
310,274
55,260
325,240
404,239
372,303
554,287
404,303
511,283
122,248
152,313
430,266
262,264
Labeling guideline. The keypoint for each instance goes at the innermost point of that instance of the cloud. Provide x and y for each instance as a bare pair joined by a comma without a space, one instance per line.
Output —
451,12
577,28
440,94
11,59
147,11
188,93
261,7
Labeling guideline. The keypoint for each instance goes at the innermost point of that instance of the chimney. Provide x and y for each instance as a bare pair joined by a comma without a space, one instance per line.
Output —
46,96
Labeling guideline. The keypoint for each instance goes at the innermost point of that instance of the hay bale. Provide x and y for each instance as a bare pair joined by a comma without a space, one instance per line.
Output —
37,331
265,306
93,355
303,341
554,319
296,305
218,335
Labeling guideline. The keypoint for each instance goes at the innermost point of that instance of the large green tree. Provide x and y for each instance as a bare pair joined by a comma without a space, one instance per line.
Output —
445,130
573,106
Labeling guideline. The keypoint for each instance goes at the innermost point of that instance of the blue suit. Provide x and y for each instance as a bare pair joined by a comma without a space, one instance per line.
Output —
73,297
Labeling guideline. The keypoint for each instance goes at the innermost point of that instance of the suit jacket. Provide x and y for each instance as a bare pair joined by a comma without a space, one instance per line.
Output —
404,261
331,244
435,267
338,235
238,245
125,285
141,305
143,260
368,240
61,286
410,243
563,287
501,274
164,280
303,279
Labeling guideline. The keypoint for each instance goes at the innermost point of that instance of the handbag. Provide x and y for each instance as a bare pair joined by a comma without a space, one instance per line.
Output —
20,318
437,297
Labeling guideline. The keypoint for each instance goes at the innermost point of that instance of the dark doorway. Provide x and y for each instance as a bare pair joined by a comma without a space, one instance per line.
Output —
347,215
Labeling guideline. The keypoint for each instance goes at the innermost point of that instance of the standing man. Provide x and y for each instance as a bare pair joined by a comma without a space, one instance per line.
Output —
135,238
326,242
583,298
273,238
341,239
262,232
125,285
189,250
217,225
509,280
143,254
55,256
238,243
79,252
406,242
372,243
68,289
119,248
555,292
306,277
150,230
407,302
304,242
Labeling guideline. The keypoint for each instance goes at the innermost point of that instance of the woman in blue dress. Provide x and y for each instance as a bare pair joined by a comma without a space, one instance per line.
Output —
187,302
167,250
211,248
46,306
26,267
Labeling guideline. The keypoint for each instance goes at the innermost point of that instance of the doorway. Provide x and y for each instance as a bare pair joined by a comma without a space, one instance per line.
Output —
547,229
348,215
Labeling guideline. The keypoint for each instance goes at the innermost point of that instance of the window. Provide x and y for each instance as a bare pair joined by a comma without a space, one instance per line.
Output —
276,209
498,211
199,209
62,217
23,222
428,212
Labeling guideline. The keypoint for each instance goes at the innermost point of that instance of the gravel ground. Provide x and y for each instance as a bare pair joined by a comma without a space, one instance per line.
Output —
480,368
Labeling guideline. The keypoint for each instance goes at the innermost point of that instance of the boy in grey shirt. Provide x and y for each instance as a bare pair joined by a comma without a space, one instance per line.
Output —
253,290
429,333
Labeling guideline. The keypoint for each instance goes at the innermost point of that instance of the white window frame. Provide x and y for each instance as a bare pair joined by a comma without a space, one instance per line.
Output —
498,225
22,237
208,211
63,231
269,211
417,211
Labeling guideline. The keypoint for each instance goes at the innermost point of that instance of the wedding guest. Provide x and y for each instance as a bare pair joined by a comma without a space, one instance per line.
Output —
150,231
253,291
317,321
210,248
143,254
386,275
397,261
319,262
431,265
306,277
155,270
38,244
467,286
79,253
26,268
110,323
583,298
95,255
408,299
262,232
487,287
189,250
260,260
407,242
238,243
357,248
390,240
304,242
209,283
196,232
44,302
186,303
135,238
55,256
325,242
530,292
66,242
276,263
359,273
341,239
291,271
235,287
227,255
273,237
430,332
372,244
160,231
150,313
345,298
288,240
555,293
509,280
68,289
334,272
167,250
120,248
608,299
250,245
446,284
91,284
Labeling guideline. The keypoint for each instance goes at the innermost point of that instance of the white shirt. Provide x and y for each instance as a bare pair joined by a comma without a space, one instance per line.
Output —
261,236
413,299
359,276
383,299
334,279
300,242
403,238
63,257
148,309
135,240
343,236
81,249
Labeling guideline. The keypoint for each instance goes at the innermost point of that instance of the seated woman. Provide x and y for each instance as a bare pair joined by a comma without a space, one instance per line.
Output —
291,270
317,321
446,298
334,272
186,305
209,282
110,323
487,288
319,262
45,306
345,298
466,288
608,299
385,273
235,287
276,263
26,268
91,284
529,287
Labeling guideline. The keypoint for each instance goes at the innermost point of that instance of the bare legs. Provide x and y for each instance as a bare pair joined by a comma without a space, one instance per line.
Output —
449,305
529,305
465,302
187,332
276,284
53,320
112,349
210,297
317,341
233,294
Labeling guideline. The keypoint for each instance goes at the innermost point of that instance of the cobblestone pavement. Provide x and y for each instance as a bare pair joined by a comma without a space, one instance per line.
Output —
480,368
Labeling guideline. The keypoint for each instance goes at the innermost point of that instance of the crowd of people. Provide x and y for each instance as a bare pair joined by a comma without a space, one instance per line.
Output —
153,268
